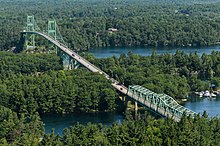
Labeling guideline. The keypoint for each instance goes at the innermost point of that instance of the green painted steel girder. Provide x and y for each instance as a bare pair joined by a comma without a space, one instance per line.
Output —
30,26
51,29
160,100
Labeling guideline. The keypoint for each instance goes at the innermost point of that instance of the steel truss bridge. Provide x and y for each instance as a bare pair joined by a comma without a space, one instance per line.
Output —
161,104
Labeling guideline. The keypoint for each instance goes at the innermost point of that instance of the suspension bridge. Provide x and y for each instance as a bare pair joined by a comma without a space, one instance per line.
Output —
161,104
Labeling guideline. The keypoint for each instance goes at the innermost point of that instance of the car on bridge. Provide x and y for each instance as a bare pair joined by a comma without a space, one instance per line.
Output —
73,55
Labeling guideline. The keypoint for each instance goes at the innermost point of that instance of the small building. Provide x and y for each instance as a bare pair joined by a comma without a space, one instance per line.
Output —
111,30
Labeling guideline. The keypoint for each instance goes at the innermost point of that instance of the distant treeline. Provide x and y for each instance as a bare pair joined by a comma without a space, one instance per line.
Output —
86,24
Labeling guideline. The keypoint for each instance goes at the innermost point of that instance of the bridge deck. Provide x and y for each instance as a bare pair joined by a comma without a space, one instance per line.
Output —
114,82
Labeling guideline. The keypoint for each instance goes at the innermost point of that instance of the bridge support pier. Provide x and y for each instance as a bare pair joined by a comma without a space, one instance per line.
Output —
135,106
68,62
136,109
20,46
124,98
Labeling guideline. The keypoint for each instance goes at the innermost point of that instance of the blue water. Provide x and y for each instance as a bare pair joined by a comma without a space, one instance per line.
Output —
199,105
117,51
60,122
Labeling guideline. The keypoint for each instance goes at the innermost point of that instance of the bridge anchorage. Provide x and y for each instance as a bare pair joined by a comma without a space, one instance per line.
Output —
161,104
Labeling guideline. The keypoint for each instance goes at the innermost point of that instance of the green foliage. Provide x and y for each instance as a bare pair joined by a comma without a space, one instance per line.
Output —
34,83
11,63
14,130
200,130
85,24
28,85
58,92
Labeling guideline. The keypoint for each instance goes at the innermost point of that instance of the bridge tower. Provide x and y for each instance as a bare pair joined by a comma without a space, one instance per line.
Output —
53,31
30,27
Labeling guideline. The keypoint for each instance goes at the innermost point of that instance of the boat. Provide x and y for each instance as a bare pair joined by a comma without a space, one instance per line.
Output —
213,95
209,94
216,92
184,100
200,94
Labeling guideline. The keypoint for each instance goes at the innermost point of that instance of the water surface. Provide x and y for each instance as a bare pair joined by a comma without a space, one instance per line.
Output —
117,51
210,105
60,122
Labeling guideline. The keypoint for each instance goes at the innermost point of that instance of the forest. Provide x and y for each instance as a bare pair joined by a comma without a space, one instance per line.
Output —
198,131
28,90
27,87
33,84
85,24
37,82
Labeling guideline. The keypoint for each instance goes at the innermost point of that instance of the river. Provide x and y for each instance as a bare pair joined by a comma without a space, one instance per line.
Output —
212,106
109,52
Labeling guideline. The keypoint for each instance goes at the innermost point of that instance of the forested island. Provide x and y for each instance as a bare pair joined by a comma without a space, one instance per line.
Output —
35,84
97,23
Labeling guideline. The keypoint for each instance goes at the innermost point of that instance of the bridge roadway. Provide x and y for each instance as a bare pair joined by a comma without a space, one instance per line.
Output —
114,83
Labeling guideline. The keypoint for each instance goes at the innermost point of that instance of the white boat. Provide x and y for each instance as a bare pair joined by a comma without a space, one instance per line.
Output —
209,94
216,92
184,100
200,94
213,95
